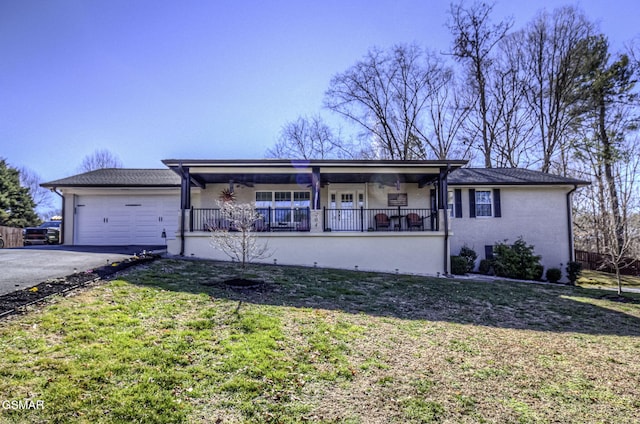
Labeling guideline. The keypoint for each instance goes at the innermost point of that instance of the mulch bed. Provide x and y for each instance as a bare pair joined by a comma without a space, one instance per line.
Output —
243,283
14,302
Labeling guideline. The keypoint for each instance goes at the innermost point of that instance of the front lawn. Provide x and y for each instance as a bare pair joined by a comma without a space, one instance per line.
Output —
170,342
590,278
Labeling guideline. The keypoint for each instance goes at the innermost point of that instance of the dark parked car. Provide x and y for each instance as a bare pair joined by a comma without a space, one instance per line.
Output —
35,235
47,233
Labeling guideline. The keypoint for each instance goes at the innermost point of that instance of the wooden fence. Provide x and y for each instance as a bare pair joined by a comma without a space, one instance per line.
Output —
597,261
12,236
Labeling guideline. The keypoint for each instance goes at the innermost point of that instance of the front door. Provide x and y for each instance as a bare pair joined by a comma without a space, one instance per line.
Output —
343,214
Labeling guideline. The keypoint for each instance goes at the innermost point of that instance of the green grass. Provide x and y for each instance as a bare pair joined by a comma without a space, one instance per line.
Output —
603,279
169,342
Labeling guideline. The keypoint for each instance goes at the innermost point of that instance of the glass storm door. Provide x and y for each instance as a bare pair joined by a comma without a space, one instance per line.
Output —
343,214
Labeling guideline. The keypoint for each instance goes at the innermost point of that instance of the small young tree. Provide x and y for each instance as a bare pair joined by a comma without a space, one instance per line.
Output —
237,237
469,255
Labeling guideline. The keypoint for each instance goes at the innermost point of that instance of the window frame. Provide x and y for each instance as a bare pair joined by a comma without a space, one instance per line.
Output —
296,199
487,203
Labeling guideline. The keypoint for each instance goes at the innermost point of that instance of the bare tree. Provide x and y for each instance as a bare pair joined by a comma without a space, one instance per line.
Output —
552,59
100,159
446,116
309,138
475,38
509,119
387,95
237,238
31,180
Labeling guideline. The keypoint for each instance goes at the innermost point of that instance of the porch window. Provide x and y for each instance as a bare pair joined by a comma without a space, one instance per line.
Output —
282,199
301,199
264,199
282,203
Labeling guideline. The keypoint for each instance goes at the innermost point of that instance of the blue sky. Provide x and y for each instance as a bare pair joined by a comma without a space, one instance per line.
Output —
153,79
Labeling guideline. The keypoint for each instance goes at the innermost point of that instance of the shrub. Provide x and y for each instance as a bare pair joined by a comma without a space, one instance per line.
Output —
573,271
515,261
554,275
538,272
458,265
469,256
485,266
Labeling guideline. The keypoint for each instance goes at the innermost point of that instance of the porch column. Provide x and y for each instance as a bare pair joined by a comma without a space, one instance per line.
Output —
185,202
315,188
443,199
185,188
316,211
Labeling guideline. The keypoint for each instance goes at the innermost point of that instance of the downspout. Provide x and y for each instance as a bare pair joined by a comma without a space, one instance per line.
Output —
182,218
446,241
443,198
572,256
55,190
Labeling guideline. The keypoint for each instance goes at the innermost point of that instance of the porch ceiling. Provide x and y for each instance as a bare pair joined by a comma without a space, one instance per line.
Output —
253,172
305,178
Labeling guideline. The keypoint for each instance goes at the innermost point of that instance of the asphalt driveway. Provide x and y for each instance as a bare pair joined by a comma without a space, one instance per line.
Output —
28,266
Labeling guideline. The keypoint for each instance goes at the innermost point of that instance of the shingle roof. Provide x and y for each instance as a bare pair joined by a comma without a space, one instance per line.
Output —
123,177
116,177
508,176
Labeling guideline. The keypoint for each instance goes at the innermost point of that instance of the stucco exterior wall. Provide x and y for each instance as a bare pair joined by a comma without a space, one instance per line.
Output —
538,214
375,195
410,253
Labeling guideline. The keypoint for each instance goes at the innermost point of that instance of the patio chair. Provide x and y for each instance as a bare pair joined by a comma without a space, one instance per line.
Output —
382,221
415,221
210,224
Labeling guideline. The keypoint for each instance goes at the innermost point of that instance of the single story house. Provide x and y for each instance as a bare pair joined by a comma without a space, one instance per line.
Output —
381,215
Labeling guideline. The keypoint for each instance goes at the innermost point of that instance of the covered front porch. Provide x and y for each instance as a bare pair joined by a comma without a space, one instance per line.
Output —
346,220
375,215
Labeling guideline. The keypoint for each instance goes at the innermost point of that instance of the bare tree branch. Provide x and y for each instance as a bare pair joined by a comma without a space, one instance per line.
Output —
388,95
100,159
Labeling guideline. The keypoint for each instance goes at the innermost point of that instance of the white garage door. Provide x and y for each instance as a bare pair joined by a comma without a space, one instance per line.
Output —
125,220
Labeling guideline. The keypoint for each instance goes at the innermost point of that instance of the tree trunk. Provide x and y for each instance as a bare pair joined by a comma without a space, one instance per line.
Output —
608,155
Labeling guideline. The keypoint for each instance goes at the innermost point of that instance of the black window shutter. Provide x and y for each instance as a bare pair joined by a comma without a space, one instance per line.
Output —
457,194
497,210
472,203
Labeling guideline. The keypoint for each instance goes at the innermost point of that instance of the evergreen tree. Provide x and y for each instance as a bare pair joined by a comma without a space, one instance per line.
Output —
16,204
